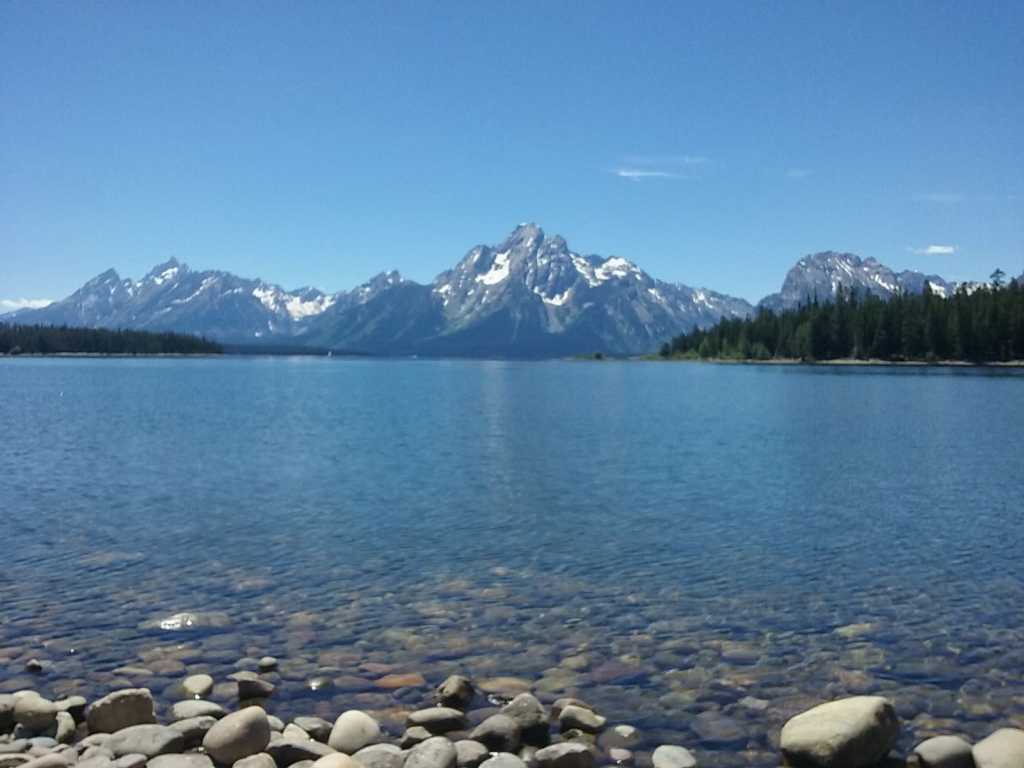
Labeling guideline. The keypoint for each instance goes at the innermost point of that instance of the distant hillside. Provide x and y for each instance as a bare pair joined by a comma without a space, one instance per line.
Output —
53,340
977,324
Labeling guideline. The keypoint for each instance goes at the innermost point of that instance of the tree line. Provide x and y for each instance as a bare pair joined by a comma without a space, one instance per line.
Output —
980,324
50,339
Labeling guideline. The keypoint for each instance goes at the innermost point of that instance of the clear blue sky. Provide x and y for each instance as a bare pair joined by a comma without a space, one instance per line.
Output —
319,143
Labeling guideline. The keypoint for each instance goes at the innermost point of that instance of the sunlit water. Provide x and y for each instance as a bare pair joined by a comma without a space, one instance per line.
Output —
698,550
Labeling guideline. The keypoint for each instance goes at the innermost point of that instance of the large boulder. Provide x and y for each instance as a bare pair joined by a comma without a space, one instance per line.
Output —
352,731
33,712
147,739
120,709
848,733
435,752
1003,749
238,735
944,752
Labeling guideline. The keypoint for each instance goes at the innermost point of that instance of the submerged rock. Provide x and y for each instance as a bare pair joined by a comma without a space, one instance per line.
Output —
847,733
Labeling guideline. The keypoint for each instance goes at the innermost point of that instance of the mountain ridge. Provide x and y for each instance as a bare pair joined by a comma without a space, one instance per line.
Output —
527,296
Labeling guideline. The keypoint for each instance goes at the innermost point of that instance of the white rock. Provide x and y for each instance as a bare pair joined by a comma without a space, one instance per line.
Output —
848,733
352,731
1003,749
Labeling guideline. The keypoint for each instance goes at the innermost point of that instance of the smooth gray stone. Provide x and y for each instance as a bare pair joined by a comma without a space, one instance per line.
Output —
262,760
413,736
267,664
13,760
191,760
316,727
499,733
352,731
95,761
336,760
469,753
91,752
580,718
130,761
194,729
292,731
503,760
1002,749
456,691
568,701
43,742
435,752
290,751
565,755
276,723
238,735
120,709
669,756
848,733
944,752
526,710
438,720
147,739
183,710
34,712
716,728
251,685
197,686
14,747
380,756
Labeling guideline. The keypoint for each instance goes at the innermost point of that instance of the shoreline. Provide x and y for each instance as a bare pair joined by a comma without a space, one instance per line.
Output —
839,362
201,722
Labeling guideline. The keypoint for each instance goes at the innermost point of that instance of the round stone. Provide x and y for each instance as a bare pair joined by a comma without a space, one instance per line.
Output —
438,720
584,719
565,755
197,686
380,756
192,760
352,731
469,753
183,710
238,735
944,752
503,760
1002,749
851,733
668,756
456,691
262,760
435,752
33,712
194,729
337,760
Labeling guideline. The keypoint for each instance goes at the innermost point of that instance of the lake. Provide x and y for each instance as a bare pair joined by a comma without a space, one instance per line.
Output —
698,550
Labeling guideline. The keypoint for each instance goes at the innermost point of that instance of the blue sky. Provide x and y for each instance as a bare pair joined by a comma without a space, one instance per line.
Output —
319,143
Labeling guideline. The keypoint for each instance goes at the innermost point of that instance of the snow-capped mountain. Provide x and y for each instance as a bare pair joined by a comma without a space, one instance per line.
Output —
529,296
821,274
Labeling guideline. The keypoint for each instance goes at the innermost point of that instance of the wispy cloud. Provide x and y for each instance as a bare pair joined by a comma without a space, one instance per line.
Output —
666,160
798,173
638,174
935,250
640,167
939,197
12,305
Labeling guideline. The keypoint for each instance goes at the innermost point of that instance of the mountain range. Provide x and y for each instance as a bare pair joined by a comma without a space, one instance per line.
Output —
529,296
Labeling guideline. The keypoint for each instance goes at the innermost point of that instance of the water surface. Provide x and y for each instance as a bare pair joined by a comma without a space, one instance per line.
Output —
698,550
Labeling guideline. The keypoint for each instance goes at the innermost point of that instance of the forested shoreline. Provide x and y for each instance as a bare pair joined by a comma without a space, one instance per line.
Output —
982,325
20,339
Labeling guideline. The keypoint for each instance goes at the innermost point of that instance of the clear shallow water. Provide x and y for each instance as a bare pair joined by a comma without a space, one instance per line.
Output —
677,544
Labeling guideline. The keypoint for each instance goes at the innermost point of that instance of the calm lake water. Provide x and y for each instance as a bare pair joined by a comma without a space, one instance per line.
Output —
698,550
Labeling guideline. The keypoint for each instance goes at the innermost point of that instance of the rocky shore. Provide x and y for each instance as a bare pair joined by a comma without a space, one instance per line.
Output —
459,726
